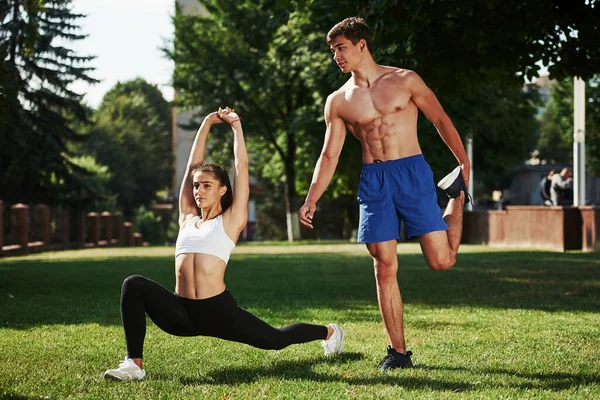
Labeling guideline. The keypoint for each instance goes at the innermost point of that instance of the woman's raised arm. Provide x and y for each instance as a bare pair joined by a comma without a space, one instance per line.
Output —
241,184
187,204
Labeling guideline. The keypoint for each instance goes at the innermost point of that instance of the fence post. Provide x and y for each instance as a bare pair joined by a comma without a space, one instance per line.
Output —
137,238
128,228
42,219
107,224
118,229
20,222
92,218
80,229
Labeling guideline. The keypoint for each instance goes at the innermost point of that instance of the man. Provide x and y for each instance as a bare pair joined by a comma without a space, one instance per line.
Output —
561,188
379,105
544,188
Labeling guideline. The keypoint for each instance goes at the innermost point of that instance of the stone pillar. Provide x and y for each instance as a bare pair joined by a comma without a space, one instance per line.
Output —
118,233
128,236
42,220
107,225
20,223
62,225
93,220
137,238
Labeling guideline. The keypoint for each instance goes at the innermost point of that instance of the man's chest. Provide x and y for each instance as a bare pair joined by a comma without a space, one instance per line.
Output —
362,105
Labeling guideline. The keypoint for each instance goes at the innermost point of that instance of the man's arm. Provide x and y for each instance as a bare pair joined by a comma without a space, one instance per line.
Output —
335,135
429,105
562,183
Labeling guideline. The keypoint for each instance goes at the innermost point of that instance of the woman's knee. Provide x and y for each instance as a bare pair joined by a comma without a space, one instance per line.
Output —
133,283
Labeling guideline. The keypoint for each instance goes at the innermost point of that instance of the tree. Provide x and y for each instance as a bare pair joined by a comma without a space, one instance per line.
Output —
555,144
270,60
37,107
261,61
132,137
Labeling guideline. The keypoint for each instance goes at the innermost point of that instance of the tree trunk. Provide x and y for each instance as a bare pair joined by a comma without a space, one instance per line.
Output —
291,206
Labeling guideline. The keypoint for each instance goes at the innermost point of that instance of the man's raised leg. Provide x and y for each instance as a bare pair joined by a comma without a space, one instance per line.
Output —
440,247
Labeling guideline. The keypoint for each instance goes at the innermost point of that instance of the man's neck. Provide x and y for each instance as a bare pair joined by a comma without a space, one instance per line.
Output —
366,73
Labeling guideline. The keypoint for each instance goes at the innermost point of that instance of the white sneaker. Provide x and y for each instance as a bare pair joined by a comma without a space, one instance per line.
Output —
449,179
335,344
127,371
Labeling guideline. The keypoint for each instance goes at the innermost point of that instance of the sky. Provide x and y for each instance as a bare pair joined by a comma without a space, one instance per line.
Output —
126,37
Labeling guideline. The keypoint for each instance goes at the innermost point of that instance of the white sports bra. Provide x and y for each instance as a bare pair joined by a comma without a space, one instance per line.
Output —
210,238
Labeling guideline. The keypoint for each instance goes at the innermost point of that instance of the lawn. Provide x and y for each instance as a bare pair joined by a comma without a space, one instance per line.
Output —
500,324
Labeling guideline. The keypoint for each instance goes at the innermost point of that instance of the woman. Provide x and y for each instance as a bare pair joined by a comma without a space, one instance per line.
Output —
211,219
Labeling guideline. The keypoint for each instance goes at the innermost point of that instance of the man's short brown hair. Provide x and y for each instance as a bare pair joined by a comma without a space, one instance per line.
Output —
354,29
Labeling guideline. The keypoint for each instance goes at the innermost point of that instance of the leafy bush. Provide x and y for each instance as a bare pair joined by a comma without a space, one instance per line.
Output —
150,226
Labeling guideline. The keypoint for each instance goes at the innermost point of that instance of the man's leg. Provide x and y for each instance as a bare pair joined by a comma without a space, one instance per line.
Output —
385,261
440,247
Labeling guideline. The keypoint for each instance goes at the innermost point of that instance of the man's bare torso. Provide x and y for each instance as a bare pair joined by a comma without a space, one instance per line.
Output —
383,116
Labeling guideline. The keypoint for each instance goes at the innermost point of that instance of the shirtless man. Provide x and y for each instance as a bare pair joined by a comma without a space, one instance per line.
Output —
379,105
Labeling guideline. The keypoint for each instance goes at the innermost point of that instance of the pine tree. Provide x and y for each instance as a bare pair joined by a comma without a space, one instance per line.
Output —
37,107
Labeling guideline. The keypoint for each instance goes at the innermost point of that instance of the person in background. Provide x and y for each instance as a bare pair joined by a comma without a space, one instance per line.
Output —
561,188
544,188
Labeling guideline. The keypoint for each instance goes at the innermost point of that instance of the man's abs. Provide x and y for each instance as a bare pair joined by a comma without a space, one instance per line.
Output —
388,137
383,118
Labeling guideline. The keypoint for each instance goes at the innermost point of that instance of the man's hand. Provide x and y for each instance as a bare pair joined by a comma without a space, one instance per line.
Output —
306,213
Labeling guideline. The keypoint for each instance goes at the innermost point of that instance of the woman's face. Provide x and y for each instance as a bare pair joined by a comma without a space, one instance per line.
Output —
207,189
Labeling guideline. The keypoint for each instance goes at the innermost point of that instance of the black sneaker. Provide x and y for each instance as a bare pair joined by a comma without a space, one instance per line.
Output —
453,183
395,360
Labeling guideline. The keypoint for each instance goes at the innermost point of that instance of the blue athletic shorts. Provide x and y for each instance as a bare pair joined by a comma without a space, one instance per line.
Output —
394,191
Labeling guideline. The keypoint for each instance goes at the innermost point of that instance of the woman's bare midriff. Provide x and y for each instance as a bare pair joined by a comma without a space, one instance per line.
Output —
199,276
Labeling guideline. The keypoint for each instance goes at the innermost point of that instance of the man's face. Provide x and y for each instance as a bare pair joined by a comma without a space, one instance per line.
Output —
346,55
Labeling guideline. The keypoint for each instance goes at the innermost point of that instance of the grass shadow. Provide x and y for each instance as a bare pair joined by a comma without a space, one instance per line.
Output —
295,370
555,381
285,286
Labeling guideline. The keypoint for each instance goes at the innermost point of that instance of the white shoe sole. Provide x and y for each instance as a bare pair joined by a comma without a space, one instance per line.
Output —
449,179
111,377
342,341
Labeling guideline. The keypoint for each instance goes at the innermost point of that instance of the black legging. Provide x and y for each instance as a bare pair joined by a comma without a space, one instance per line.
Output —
217,316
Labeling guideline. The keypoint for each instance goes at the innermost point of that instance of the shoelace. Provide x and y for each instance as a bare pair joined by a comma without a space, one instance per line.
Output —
325,343
468,198
386,358
125,363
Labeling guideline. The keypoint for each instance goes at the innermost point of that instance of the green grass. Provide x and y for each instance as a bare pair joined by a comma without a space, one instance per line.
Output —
500,324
